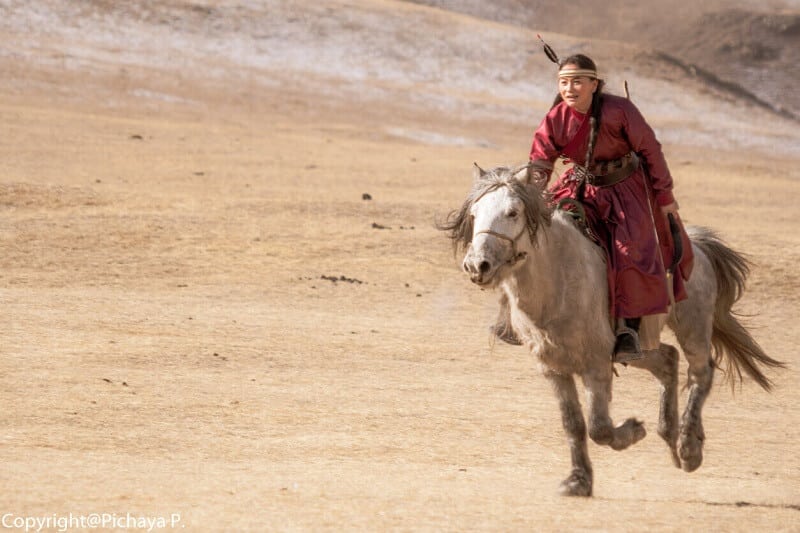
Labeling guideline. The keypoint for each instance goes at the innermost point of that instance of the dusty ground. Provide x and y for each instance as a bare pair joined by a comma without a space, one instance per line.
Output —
173,342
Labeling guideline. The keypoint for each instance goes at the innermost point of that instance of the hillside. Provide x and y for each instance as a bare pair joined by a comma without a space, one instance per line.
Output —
751,50
400,60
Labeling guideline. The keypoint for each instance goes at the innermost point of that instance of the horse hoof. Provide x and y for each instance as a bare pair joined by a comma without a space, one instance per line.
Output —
639,431
577,484
691,453
629,433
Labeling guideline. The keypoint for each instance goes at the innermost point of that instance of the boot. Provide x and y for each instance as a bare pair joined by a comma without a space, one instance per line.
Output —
627,347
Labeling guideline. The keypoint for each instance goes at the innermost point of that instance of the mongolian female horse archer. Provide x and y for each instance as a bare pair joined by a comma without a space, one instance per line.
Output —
555,282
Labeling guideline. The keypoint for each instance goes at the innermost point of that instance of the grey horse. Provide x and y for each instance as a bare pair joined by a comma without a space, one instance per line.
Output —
554,280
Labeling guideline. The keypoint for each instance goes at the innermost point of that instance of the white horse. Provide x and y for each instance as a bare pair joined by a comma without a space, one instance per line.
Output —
555,281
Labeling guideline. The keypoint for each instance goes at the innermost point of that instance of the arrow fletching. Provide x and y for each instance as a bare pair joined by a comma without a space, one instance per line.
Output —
551,55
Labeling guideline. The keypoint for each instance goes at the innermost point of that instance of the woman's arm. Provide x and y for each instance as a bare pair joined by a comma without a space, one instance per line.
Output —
543,152
643,141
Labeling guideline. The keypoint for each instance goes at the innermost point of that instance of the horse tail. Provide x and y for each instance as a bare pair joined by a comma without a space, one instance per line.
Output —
729,338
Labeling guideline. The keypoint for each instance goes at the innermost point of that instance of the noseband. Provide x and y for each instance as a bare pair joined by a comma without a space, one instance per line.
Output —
515,256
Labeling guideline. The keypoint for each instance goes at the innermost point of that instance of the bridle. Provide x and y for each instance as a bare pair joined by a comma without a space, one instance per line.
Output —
515,256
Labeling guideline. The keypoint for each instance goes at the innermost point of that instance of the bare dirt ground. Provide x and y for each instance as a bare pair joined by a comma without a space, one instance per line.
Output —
203,316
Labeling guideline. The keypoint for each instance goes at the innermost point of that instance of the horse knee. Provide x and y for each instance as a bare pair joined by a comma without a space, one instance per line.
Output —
601,432
701,372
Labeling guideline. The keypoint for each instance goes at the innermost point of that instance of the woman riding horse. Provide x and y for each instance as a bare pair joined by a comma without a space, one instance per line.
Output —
620,177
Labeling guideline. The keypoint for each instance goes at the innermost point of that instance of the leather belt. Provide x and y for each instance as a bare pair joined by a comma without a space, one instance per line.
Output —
612,172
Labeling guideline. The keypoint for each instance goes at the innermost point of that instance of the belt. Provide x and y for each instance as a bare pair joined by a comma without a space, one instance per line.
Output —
612,172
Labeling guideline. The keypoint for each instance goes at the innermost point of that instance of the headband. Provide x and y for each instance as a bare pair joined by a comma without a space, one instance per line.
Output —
571,72
567,72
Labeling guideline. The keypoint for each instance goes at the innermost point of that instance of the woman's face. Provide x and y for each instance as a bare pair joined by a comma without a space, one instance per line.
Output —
577,91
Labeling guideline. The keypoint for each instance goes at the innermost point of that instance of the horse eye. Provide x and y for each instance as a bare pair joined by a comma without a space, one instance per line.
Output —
513,213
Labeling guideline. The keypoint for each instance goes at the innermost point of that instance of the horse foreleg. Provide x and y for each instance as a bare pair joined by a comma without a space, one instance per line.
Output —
601,428
663,364
579,482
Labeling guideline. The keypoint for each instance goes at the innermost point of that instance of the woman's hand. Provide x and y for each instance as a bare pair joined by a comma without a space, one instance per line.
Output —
670,208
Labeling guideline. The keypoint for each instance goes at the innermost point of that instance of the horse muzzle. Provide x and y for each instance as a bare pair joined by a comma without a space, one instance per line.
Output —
483,264
481,267
480,273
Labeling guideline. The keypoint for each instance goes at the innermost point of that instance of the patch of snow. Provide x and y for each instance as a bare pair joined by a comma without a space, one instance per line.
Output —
431,137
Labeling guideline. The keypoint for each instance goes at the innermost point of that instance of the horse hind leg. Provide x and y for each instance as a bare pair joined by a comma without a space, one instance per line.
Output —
579,482
663,364
692,435
694,335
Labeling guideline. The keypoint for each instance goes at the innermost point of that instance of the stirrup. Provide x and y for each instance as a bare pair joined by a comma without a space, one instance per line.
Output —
627,347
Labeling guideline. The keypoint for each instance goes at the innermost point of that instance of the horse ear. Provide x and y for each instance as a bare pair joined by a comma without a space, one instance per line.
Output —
522,173
477,172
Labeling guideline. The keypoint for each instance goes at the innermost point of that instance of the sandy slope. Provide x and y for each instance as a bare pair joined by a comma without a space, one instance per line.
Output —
171,216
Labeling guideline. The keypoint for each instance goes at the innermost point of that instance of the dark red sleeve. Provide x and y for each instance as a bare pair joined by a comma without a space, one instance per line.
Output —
643,141
543,150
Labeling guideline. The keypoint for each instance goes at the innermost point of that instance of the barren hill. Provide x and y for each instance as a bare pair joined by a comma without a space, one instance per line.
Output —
749,49
469,63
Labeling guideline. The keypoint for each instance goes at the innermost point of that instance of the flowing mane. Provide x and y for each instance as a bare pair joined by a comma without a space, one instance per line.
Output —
458,223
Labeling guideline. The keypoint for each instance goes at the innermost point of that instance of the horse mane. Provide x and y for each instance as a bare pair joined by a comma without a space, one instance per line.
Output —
458,223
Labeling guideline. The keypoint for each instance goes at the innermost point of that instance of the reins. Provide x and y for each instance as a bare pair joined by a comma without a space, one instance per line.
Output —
574,208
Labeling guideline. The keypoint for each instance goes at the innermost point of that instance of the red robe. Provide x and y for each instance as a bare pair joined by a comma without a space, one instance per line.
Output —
626,216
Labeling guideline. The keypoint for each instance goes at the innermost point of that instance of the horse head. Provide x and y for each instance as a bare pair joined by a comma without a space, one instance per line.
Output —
498,222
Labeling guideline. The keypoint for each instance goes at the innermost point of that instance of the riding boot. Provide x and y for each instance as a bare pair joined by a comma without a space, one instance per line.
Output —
502,328
627,347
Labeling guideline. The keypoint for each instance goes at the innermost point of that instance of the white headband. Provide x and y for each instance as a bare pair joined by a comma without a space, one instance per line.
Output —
570,72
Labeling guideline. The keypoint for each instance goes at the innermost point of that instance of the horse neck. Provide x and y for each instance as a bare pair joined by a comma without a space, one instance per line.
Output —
562,263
